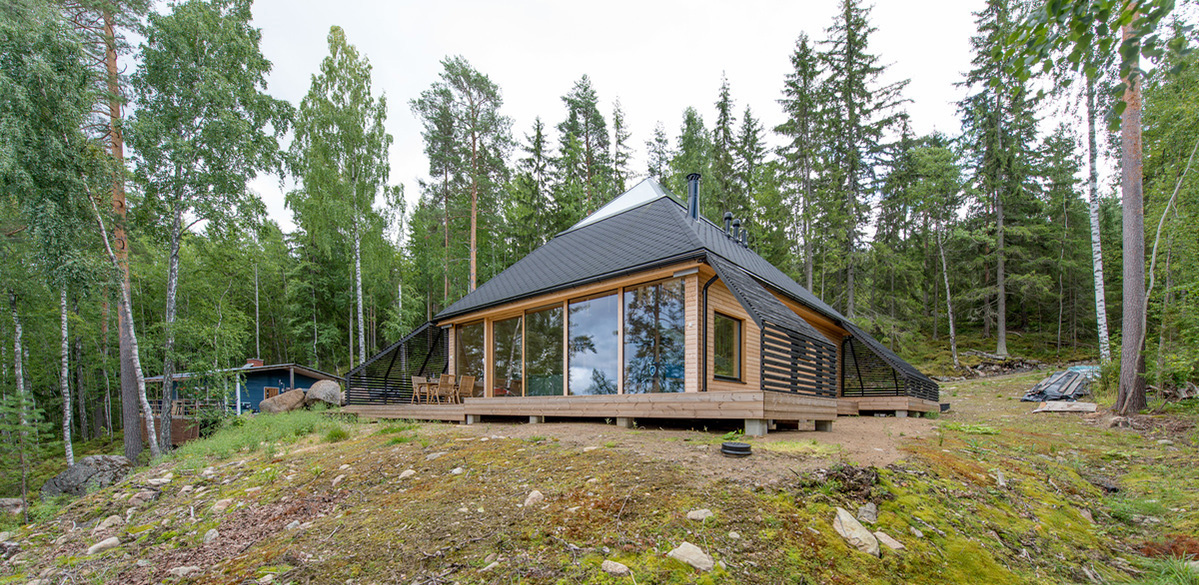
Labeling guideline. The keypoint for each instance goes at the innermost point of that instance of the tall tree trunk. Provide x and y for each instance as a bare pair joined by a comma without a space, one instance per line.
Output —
1164,326
80,395
19,371
168,346
257,326
104,365
358,292
445,196
1131,397
953,338
64,377
1061,276
1105,346
125,317
1000,281
116,138
474,211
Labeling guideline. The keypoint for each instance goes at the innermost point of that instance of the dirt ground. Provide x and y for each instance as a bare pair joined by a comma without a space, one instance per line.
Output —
863,441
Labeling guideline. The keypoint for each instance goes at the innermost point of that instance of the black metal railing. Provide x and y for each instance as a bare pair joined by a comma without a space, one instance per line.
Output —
796,363
386,378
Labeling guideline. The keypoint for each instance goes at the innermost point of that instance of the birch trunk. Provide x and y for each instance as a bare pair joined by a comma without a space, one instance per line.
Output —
80,397
168,346
953,338
358,285
125,317
1131,397
64,377
1105,346
19,371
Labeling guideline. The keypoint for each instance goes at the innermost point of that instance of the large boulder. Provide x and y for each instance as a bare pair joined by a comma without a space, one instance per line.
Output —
326,391
285,402
90,473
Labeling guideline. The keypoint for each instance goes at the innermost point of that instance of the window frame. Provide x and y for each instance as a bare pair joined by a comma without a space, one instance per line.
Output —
738,347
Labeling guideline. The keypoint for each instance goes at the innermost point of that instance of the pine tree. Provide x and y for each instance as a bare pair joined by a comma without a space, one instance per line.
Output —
622,153
586,125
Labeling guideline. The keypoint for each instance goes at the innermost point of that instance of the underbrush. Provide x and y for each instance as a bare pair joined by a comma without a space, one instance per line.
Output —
246,434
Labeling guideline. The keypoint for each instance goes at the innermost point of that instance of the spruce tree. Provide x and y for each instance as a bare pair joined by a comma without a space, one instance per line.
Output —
592,168
658,155
805,136
692,153
721,192
622,153
862,112
527,213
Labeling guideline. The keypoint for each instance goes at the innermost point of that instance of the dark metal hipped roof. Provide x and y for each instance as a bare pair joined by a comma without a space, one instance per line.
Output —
761,305
896,362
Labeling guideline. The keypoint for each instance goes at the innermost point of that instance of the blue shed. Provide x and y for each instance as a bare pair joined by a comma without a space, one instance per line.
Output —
256,382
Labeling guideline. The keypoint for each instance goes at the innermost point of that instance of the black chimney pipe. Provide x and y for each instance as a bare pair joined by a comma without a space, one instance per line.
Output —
745,238
728,218
736,230
693,196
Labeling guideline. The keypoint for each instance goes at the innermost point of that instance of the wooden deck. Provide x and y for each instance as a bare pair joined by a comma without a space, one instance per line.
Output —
896,404
758,406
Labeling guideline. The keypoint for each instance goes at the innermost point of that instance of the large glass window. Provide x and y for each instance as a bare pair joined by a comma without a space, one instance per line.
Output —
594,335
726,339
654,324
543,352
470,355
507,374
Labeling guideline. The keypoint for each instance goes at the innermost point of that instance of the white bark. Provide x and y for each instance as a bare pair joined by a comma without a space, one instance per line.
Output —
953,338
18,355
125,317
358,285
1105,348
64,378
168,361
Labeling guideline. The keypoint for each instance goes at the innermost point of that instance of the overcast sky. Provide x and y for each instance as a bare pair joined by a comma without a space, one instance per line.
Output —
657,57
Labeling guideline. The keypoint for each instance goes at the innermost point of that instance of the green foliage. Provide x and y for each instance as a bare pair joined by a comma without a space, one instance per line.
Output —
336,435
970,429
248,433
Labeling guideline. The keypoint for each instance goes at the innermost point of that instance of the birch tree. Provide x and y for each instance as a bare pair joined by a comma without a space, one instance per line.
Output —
340,157
203,128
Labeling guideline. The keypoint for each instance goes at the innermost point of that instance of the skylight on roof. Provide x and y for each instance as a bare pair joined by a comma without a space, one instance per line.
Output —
642,193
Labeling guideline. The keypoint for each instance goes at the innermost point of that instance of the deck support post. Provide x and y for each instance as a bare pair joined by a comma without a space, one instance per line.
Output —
824,425
624,422
473,419
756,427
536,419
901,414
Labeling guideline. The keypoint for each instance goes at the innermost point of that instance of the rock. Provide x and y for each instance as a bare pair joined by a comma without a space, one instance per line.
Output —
916,532
185,571
294,524
488,568
5,536
90,473
143,563
343,467
692,555
407,473
854,533
103,545
267,578
887,541
701,514
8,549
326,391
12,506
160,481
107,523
211,535
535,497
734,535
285,402
222,505
868,513
615,569
1085,513
457,471
1193,566
432,456
143,497
337,480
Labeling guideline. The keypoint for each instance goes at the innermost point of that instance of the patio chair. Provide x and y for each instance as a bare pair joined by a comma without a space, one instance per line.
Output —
466,387
420,387
445,388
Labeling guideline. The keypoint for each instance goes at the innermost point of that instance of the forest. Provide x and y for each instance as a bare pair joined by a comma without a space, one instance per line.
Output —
130,245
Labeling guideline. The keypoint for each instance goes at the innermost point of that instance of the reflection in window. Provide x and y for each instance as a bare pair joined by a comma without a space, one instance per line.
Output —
507,373
654,320
726,338
594,329
470,353
543,352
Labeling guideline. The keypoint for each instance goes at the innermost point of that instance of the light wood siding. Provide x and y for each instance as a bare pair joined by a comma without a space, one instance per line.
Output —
452,358
721,299
691,333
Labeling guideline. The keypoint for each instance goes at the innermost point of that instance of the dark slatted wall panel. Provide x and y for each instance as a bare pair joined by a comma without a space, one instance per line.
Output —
797,363
387,377
866,373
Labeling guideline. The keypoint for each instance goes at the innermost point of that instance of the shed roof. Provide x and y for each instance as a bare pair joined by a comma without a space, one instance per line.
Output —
248,369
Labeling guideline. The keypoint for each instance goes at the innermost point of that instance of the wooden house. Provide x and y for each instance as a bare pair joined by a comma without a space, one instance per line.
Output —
644,309
250,384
